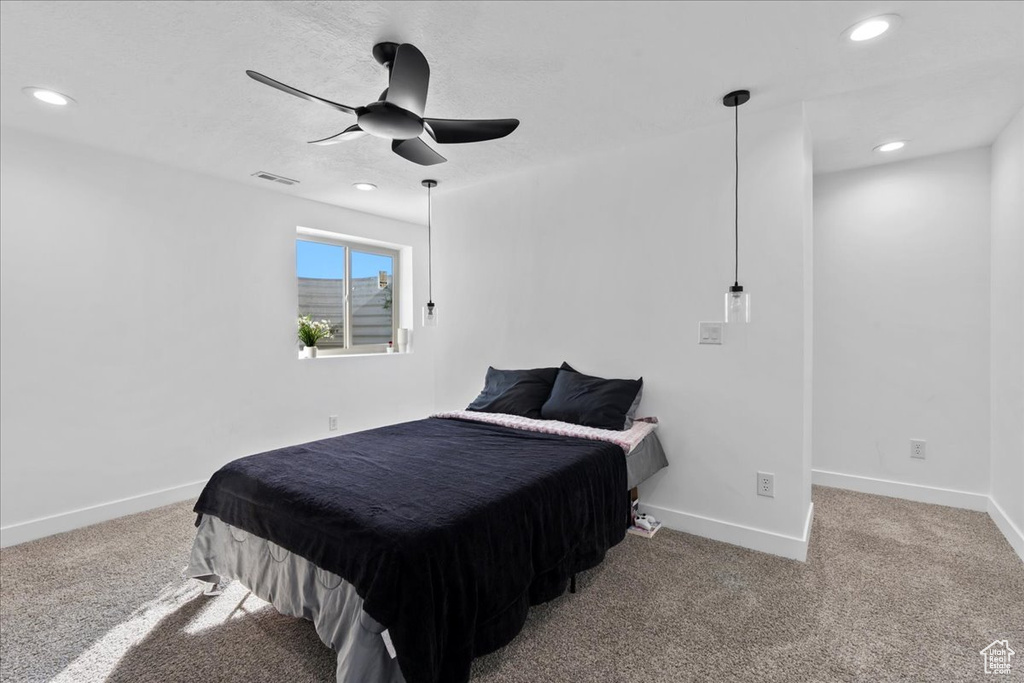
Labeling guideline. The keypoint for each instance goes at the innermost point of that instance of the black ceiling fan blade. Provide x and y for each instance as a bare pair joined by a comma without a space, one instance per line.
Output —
353,132
451,131
410,76
267,80
417,151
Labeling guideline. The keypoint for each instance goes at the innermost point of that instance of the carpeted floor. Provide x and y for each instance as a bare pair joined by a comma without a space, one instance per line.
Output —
891,591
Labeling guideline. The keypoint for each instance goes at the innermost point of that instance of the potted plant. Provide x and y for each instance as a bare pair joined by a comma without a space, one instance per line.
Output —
311,332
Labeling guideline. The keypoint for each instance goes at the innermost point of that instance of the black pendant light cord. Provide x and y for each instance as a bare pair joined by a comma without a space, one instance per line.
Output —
737,197
430,253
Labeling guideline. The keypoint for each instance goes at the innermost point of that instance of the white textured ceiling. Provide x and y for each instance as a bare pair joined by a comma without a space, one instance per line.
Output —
166,81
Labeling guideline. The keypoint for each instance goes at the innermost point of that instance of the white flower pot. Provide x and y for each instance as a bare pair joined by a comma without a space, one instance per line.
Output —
310,351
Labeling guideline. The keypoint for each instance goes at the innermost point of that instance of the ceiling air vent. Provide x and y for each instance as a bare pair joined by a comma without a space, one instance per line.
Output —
263,175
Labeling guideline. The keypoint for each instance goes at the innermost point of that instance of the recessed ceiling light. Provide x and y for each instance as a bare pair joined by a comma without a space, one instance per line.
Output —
890,146
49,96
872,28
365,187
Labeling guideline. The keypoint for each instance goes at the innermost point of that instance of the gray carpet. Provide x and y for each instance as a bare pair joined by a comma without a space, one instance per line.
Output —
892,591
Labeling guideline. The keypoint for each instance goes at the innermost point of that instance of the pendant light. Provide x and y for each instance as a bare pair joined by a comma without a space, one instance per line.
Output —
737,301
430,310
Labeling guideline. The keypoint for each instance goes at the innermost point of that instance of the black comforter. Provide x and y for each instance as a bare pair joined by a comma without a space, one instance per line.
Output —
448,529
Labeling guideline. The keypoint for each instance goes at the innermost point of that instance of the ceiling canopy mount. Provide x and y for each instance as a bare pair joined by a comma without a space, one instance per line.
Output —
385,53
736,98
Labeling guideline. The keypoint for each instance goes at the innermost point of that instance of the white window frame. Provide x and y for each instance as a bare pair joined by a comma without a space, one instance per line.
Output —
349,245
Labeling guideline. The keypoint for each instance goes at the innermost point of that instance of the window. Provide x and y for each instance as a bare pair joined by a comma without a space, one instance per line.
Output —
352,286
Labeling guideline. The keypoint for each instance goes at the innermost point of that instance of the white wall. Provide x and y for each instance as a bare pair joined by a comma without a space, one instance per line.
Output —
610,262
901,322
1008,331
148,337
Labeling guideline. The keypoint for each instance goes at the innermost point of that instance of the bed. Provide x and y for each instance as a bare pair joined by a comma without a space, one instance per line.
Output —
416,547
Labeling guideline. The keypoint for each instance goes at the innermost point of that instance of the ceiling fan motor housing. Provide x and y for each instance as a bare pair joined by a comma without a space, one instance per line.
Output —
386,120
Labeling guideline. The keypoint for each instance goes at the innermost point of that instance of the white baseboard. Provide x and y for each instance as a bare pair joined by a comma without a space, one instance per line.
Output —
1014,535
771,542
895,489
21,532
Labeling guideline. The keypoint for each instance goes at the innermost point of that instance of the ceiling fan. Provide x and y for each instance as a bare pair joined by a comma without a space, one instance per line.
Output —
398,114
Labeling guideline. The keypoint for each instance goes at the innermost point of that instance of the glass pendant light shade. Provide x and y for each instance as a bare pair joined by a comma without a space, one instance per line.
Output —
430,315
737,305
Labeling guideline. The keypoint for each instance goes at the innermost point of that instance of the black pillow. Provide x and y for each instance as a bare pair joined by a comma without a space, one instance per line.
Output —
633,408
592,401
515,392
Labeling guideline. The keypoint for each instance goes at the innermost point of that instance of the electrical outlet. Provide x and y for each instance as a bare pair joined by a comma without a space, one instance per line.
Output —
766,484
917,448
332,423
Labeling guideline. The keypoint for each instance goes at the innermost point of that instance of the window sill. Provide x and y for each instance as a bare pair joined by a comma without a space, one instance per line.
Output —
322,355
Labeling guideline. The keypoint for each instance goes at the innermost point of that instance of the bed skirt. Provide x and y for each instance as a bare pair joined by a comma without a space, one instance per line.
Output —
643,461
297,588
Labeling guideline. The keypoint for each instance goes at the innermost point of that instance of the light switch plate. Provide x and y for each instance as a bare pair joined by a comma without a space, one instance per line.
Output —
710,333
